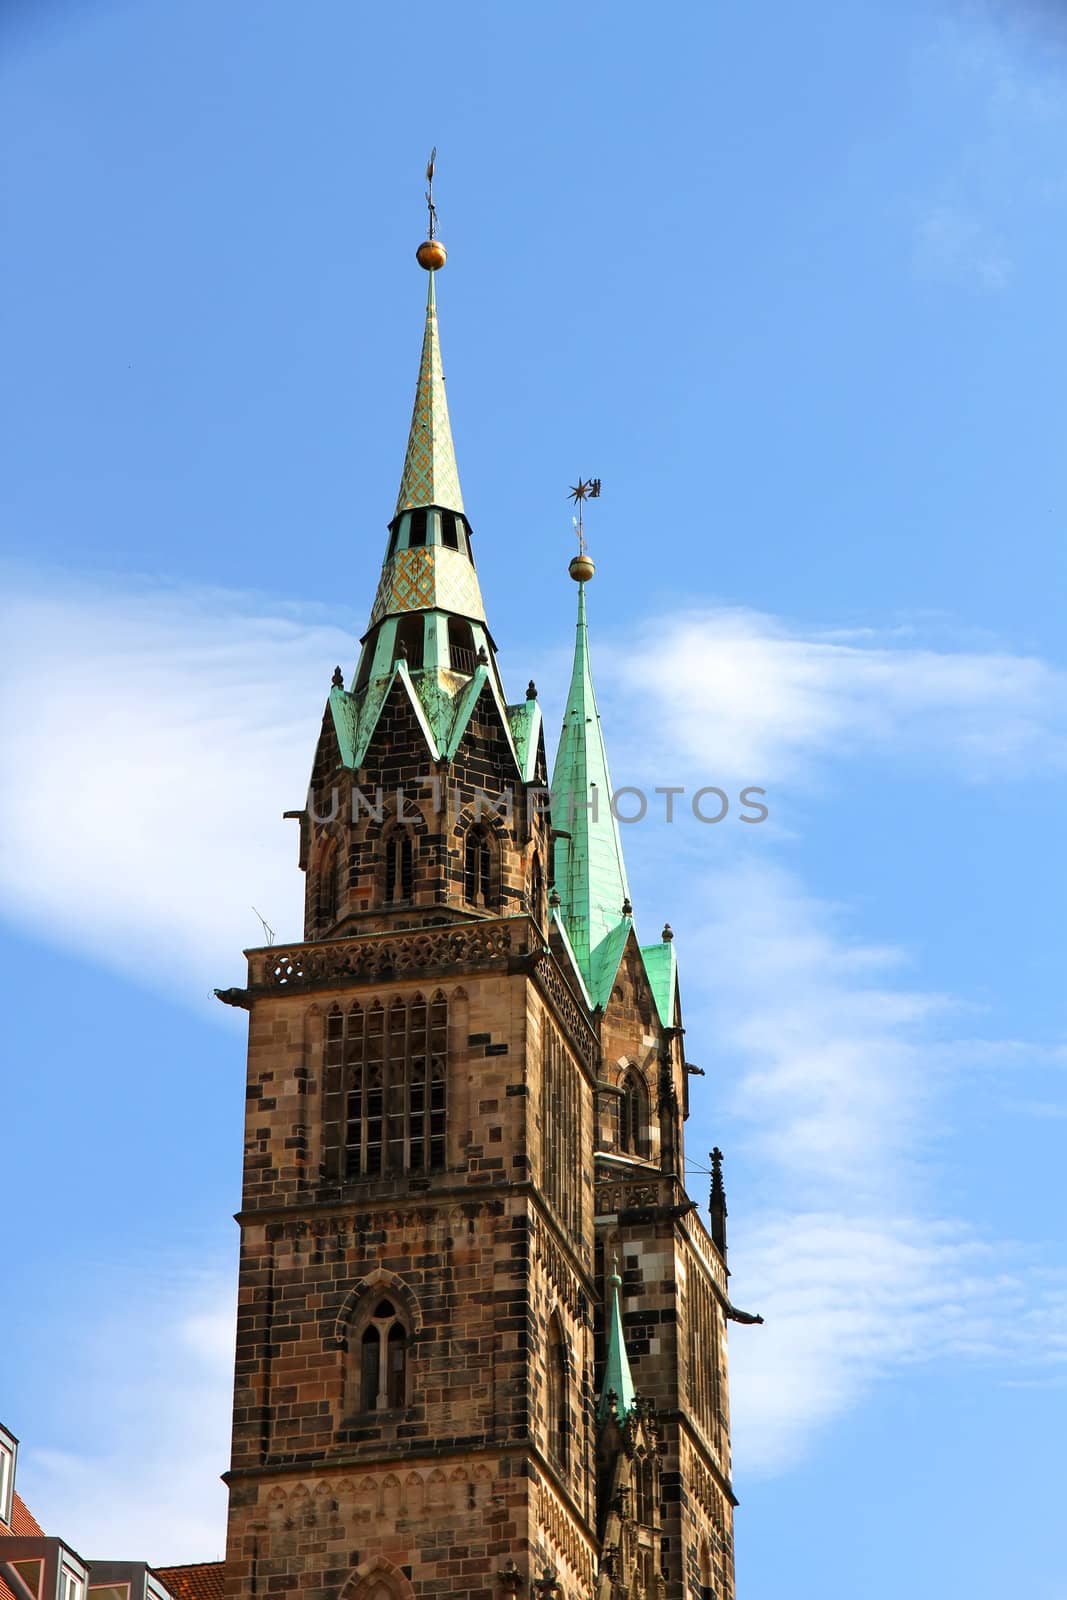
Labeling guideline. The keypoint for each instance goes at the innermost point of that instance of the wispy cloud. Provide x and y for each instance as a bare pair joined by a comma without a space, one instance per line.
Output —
754,698
149,1403
993,73
151,741
837,1086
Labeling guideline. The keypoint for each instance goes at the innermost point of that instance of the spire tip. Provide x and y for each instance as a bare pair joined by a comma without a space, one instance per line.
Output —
431,254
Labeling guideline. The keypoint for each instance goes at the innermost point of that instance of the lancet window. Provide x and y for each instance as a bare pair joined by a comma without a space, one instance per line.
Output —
645,1496
392,1065
327,885
378,1359
707,1572
561,1122
478,867
633,1114
556,1420
703,1380
399,866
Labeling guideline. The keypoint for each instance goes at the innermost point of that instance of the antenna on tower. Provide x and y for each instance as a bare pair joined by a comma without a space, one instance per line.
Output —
268,931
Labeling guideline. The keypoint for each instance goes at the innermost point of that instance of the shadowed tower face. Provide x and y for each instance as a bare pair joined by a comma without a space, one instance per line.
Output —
481,1331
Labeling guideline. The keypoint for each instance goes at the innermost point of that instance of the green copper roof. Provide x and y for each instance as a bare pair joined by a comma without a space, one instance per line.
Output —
431,477
661,964
604,962
617,1375
590,871
525,721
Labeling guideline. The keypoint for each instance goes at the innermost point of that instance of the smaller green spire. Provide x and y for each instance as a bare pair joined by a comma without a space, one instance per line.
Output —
590,870
618,1387
430,476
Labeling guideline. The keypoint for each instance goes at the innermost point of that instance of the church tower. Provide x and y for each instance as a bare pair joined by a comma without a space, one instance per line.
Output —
481,1329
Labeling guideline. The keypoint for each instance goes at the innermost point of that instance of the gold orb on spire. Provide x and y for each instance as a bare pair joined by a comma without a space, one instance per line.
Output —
431,255
582,567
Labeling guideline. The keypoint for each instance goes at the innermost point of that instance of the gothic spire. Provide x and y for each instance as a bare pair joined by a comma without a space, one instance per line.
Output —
617,1390
430,476
590,870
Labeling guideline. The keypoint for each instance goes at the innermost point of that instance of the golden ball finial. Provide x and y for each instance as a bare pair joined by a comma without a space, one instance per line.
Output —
431,255
581,568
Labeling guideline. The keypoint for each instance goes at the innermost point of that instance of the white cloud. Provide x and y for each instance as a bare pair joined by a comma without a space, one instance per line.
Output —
148,1392
150,744
748,697
836,1085
849,1299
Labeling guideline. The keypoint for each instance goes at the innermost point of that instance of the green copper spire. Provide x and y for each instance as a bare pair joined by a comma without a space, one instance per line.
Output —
590,871
618,1379
431,477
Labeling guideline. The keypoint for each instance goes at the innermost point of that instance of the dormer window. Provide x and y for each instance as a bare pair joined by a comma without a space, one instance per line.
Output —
8,1452
71,1587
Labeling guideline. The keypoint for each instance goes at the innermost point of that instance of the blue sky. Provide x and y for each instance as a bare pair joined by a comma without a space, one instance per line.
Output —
790,282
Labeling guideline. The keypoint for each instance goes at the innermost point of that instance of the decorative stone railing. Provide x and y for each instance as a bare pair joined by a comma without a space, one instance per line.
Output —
379,955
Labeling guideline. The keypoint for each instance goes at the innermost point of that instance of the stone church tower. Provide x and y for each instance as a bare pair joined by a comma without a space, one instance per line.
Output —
481,1344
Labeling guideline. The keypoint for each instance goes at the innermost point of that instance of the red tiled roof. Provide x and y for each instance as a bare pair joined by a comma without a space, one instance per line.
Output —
23,1525
23,1522
201,1581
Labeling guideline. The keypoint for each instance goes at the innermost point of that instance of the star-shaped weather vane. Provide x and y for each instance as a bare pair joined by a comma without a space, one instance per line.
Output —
585,489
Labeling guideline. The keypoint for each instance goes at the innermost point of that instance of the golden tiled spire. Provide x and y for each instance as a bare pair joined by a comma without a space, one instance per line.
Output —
431,477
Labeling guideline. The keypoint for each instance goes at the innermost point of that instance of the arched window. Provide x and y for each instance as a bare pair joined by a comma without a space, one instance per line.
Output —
409,633
633,1114
393,1073
399,866
478,867
461,654
557,1425
327,886
707,1576
383,1360
450,530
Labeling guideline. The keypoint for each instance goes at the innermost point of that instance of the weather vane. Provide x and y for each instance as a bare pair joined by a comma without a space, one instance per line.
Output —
431,253
585,489
431,208
581,568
